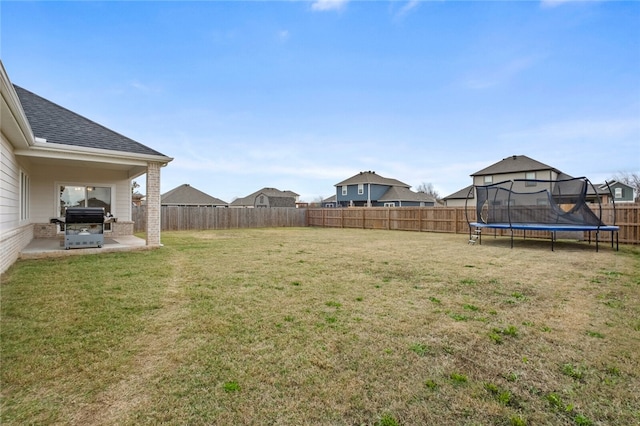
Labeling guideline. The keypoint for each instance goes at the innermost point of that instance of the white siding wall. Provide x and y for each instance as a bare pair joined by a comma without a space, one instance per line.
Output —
13,236
9,197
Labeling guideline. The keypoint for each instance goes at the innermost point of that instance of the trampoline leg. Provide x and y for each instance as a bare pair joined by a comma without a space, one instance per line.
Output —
597,232
511,238
553,238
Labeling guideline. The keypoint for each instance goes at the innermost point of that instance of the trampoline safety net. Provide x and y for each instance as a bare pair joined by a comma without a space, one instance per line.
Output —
528,201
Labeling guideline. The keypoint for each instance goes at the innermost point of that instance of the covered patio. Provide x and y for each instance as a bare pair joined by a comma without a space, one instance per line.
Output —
40,248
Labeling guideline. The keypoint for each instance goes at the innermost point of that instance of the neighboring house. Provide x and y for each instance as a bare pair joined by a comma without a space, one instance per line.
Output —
137,199
52,158
330,202
267,197
521,167
622,193
372,190
186,195
516,167
459,198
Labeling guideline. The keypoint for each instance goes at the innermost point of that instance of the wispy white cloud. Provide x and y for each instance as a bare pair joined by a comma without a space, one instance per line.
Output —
500,74
554,3
283,35
326,5
407,8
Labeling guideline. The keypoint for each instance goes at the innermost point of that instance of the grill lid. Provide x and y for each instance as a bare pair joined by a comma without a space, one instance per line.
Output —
84,215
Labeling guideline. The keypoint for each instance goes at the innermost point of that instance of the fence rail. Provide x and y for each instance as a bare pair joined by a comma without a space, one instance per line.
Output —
181,218
454,220
418,219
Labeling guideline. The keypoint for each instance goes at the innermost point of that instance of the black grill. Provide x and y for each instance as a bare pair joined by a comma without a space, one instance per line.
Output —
84,227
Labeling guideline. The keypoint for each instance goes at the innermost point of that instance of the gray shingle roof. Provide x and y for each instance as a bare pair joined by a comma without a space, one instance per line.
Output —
186,195
400,193
513,164
60,126
250,199
461,194
372,178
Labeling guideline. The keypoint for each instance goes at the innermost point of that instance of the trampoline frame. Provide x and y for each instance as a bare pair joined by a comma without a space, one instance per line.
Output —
553,228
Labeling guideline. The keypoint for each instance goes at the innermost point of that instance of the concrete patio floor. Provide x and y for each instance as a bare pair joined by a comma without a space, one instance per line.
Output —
54,247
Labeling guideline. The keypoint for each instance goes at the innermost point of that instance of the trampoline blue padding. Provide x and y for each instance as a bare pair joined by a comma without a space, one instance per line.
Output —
545,227
553,228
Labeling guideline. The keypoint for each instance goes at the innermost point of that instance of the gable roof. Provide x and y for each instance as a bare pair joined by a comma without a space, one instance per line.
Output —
58,125
186,195
400,193
461,194
370,177
515,163
250,199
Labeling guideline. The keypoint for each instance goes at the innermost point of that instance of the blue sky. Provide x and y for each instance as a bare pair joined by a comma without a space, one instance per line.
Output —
300,95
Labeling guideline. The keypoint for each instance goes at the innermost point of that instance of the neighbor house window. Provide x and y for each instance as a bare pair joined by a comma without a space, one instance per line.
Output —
344,189
618,192
390,204
488,180
360,188
24,196
531,176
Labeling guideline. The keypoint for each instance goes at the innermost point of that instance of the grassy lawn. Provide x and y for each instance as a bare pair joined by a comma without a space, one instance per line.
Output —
324,326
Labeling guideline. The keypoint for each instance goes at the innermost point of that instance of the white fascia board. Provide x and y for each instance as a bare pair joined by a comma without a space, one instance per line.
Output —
70,152
14,107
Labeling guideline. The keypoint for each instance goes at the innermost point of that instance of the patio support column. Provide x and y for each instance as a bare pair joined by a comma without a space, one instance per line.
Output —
153,204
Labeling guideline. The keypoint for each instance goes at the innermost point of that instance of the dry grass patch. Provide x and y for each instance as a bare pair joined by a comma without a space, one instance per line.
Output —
325,326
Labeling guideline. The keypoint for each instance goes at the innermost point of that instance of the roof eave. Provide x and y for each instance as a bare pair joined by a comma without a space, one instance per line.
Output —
70,152
12,102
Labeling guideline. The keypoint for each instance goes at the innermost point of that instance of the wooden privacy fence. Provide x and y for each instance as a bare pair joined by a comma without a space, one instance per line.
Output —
454,220
419,219
183,218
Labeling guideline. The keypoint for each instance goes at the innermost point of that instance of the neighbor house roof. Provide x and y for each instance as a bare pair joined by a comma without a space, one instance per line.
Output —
461,194
58,125
272,193
186,195
400,193
513,164
370,177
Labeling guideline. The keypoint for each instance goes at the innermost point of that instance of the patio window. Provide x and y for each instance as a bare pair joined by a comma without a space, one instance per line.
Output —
85,196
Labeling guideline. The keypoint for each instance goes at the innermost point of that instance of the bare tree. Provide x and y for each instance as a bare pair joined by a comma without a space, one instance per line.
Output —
428,189
631,179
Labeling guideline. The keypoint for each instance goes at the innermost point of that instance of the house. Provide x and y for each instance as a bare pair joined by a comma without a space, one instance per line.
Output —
519,167
516,167
186,195
267,197
52,158
368,189
330,202
622,193
459,198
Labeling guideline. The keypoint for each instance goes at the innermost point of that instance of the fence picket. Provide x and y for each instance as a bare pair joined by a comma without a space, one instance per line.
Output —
426,219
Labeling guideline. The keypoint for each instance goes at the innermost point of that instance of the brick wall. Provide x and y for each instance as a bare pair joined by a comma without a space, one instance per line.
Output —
153,204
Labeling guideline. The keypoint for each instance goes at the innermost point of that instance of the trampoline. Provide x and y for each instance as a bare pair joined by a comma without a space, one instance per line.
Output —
538,205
